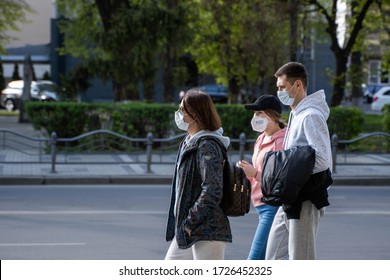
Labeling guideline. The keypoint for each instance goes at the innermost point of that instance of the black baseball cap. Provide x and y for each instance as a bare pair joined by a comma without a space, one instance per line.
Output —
265,102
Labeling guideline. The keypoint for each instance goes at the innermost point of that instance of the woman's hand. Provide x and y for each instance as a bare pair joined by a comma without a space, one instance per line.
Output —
248,168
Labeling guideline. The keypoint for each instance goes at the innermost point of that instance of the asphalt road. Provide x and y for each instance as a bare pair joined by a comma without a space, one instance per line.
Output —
119,222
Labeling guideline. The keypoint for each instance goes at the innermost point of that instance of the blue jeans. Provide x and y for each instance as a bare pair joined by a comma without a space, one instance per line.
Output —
259,243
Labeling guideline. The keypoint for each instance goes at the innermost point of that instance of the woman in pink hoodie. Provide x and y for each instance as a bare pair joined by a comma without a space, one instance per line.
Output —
266,120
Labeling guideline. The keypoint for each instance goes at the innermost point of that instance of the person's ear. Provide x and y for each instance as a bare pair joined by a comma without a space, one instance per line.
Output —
299,84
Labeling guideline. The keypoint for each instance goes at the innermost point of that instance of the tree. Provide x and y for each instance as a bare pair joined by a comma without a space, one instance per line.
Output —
375,40
2,81
118,40
12,12
375,33
15,73
293,10
46,76
176,34
342,52
240,42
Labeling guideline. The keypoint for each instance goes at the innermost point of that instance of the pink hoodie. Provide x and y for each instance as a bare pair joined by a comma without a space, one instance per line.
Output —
262,145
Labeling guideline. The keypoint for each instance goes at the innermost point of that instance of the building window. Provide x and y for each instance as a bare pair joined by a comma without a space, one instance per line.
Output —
373,72
377,74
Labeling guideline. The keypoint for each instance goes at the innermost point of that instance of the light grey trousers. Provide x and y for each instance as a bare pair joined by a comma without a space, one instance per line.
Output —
201,250
294,239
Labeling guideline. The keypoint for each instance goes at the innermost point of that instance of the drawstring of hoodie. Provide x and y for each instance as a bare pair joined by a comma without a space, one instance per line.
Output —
290,117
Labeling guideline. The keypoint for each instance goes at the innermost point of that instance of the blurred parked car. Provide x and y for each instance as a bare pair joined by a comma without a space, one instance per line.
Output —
381,97
369,91
39,90
218,93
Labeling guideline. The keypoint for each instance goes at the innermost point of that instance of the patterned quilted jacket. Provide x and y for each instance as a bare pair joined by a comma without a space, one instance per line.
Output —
197,189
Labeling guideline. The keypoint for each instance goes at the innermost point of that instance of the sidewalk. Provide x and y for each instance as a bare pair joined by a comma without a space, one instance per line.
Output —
119,168
135,173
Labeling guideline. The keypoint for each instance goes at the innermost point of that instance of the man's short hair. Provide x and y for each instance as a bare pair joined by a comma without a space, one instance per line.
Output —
293,71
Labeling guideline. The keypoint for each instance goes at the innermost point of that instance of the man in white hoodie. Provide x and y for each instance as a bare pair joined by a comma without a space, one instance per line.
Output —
295,238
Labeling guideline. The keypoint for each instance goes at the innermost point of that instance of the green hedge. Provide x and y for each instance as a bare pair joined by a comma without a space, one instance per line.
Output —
70,119
347,123
137,119
386,118
66,119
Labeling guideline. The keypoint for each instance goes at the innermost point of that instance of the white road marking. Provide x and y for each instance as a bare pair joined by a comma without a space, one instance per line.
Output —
357,212
136,167
380,158
82,212
135,212
40,244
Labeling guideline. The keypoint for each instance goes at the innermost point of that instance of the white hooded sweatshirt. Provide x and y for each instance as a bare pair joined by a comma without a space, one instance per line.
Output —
307,126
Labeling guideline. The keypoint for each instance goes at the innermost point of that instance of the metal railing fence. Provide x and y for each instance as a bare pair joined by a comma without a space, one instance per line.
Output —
345,148
148,150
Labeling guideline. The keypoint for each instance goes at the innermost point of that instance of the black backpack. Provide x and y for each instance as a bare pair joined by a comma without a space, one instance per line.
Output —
236,198
236,190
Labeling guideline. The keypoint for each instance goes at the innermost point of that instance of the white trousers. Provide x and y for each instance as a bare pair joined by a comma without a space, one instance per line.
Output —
201,250
294,239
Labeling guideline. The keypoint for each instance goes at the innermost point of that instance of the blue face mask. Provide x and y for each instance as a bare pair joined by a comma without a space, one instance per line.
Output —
284,97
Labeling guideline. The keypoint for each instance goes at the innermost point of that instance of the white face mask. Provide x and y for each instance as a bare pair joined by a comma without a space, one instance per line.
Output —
259,124
284,97
179,119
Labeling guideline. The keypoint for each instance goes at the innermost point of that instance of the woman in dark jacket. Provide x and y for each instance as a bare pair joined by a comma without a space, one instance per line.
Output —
197,225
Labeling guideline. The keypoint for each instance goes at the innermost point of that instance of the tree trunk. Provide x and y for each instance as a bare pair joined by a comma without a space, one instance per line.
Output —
2,81
356,75
170,54
293,7
169,63
234,90
341,53
26,94
340,78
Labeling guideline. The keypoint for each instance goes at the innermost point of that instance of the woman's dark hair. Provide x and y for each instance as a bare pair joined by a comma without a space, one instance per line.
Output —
200,107
293,71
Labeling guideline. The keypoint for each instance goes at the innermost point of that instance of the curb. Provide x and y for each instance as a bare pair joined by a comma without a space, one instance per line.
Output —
91,180
157,180
361,181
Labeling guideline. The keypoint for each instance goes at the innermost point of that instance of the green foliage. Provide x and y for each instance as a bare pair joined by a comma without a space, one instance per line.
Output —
70,119
377,144
386,118
46,76
341,48
65,118
118,41
12,13
235,120
237,40
345,122
2,81
372,123
137,119
75,82
15,73
6,113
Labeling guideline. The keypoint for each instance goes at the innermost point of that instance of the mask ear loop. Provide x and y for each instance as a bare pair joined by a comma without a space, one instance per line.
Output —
296,89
